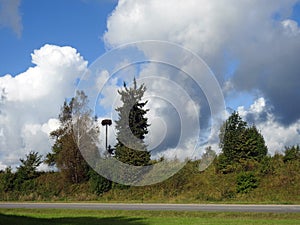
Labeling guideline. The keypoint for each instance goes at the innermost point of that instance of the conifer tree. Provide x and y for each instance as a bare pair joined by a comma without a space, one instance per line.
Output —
239,143
253,144
132,127
230,135
28,168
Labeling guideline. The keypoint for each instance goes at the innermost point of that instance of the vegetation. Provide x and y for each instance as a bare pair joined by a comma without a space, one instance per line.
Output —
65,151
279,183
93,217
239,144
132,127
291,153
28,168
243,172
246,182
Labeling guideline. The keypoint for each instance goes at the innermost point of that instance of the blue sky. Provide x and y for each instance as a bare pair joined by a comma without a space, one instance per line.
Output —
252,47
79,24
296,12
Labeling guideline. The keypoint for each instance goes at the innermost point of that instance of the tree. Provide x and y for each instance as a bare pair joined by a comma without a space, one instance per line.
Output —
7,180
291,153
239,143
77,134
27,172
253,144
230,134
28,168
132,127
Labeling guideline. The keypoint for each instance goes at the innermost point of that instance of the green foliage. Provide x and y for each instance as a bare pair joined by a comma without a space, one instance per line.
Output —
132,127
76,135
246,181
28,168
189,185
99,184
252,144
23,180
27,172
291,153
7,180
132,156
267,165
223,164
242,164
230,134
239,143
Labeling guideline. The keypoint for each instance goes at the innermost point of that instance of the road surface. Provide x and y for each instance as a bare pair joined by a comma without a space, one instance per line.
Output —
159,207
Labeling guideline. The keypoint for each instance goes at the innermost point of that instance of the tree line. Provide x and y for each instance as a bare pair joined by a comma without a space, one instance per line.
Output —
243,146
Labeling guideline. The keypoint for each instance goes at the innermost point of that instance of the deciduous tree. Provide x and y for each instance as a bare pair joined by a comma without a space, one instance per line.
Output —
77,134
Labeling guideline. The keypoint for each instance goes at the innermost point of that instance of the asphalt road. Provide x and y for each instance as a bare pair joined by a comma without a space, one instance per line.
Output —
159,207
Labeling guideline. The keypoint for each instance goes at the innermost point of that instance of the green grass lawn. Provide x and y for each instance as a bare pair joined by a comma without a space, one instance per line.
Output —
107,217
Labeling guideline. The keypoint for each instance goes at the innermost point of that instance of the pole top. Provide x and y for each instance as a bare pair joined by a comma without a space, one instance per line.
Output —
106,122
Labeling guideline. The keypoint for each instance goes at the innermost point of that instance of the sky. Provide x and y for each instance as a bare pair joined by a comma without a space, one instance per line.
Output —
251,49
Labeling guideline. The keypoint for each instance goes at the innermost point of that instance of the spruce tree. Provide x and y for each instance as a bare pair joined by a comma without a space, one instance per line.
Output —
254,145
239,143
132,127
230,136
28,168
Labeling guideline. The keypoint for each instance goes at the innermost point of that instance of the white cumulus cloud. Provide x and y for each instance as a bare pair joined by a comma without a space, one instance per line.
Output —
291,27
260,36
32,101
276,135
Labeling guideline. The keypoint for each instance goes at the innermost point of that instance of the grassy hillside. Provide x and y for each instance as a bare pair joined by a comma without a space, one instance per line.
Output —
271,181
281,184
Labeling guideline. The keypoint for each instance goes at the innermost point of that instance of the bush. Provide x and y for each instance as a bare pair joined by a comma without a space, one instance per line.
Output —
99,184
291,153
246,181
267,166
222,165
7,180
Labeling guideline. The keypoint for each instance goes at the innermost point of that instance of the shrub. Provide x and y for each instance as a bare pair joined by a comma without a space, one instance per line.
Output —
7,180
291,153
246,181
99,184
267,166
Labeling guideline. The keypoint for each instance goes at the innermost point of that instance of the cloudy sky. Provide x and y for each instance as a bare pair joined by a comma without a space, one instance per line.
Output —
251,48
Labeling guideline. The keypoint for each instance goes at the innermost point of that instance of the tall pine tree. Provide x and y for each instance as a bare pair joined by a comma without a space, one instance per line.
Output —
132,127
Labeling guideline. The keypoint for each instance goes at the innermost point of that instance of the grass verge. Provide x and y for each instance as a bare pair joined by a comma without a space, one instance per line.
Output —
115,217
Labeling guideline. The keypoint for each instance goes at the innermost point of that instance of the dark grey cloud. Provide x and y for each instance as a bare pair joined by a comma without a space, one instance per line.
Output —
273,69
260,36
